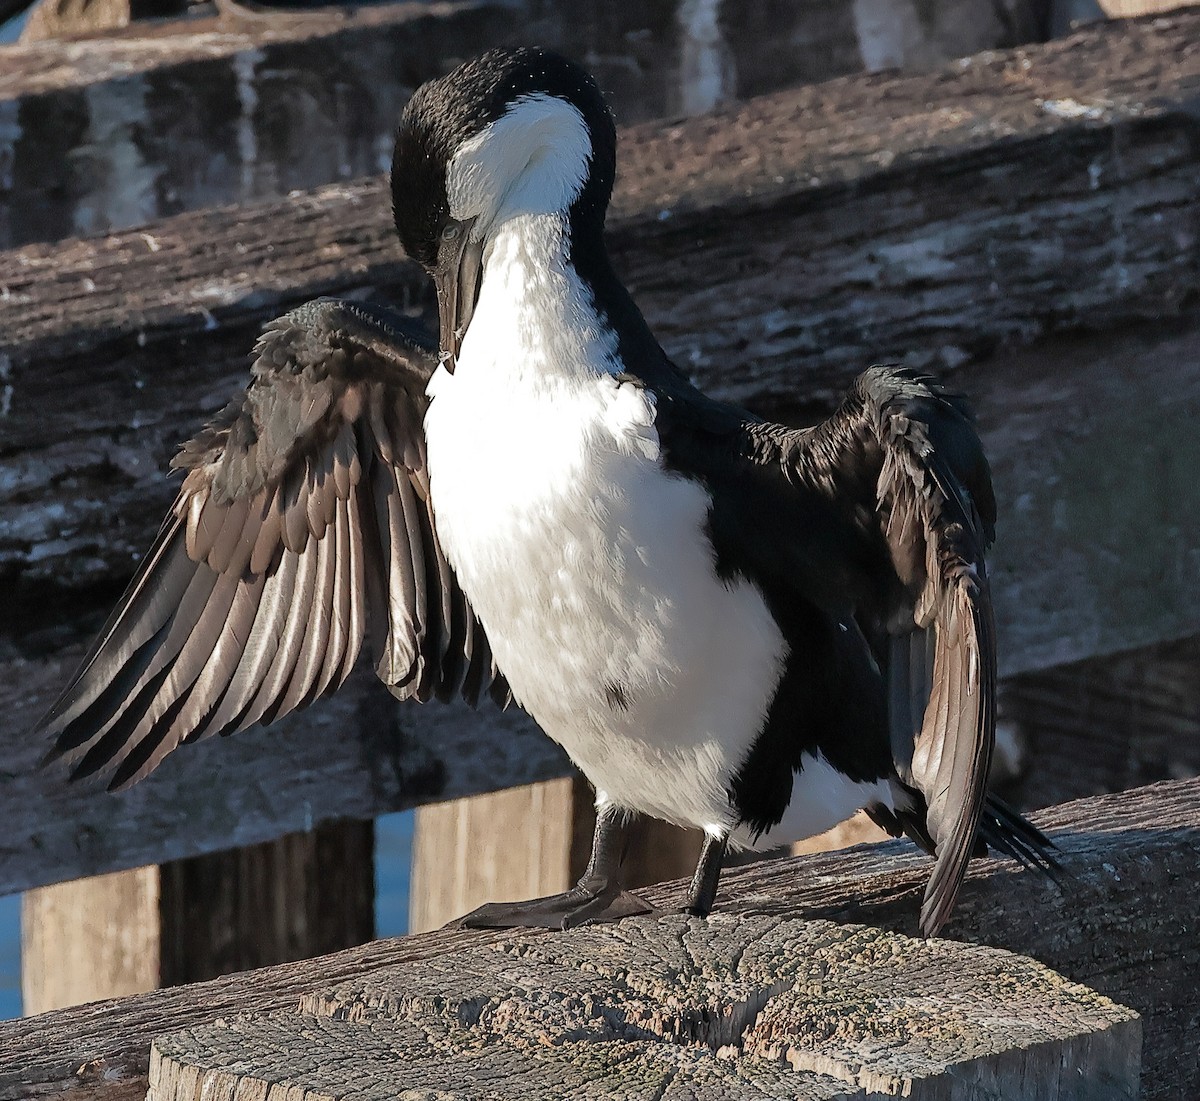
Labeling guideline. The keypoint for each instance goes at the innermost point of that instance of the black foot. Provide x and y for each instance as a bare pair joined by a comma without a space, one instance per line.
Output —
566,911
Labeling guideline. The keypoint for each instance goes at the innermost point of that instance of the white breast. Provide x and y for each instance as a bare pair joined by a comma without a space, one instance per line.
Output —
588,563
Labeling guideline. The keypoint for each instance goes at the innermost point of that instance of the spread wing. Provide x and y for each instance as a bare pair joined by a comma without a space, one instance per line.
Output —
303,524
903,466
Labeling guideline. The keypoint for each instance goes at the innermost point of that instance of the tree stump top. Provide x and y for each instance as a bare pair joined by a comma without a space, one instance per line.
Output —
669,1007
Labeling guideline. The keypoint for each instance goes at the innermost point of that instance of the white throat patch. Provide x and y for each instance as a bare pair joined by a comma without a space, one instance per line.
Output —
534,159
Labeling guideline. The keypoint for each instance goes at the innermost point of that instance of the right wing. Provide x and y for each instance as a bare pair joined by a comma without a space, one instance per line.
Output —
303,522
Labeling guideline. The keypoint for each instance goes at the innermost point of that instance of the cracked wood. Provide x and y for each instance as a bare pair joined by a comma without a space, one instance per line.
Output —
670,1007
1122,928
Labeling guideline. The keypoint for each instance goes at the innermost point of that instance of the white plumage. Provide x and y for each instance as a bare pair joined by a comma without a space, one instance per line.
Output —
588,563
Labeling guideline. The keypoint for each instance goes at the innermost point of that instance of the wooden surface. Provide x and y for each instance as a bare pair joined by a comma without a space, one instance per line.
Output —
302,895
778,248
1107,724
113,132
1124,927
735,1007
996,221
90,938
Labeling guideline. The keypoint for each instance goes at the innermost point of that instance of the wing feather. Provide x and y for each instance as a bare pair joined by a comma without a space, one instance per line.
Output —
901,464
303,524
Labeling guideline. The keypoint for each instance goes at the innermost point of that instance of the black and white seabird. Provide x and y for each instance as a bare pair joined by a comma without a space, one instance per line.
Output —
727,623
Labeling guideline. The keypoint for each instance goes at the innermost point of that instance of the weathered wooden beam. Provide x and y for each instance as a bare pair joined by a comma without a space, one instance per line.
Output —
670,1007
932,218
1107,724
781,289
116,132
352,757
1123,926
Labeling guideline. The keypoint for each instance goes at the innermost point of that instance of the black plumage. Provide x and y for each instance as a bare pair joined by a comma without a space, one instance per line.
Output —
867,536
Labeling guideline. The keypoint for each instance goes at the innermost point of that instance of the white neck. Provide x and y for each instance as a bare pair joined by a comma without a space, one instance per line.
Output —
535,323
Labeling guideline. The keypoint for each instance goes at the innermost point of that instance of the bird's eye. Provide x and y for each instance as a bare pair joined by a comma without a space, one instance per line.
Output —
450,231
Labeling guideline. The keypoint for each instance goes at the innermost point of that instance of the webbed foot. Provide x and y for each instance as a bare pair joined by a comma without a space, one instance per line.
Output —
568,910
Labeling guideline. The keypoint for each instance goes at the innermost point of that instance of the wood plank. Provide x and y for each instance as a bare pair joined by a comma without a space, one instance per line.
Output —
1107,724
90,938
932,219
255,787
301,895
1129,9
737,1007
522,843
122,130
57,18
497,847
1123,927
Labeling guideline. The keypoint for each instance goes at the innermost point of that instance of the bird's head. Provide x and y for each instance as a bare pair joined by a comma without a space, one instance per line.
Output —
511,133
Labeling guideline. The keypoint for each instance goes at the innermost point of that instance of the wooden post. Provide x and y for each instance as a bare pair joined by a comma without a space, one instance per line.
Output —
497,847
522,843
303,895
1124,925
739,1006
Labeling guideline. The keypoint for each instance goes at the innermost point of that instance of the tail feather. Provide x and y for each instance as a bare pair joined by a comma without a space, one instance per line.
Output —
1002,831
1012,835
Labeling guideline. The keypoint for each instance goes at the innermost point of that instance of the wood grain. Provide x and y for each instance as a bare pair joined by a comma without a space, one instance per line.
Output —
1123,926
667,1006
92,938
523,843
777,247
301,895
497,847
111,133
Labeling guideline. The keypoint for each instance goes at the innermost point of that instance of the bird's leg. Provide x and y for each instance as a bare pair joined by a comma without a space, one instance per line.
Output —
703,890
597,897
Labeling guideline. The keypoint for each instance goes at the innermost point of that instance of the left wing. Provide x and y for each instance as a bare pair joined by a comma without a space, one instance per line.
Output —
901,465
